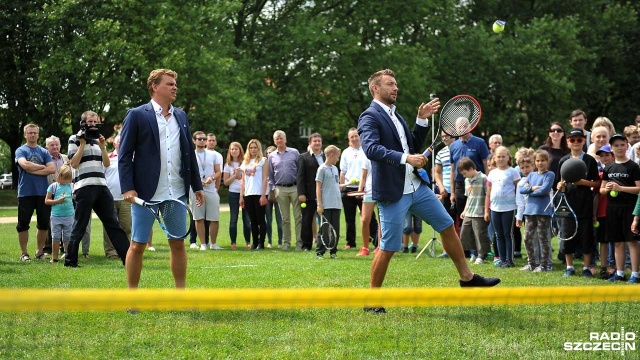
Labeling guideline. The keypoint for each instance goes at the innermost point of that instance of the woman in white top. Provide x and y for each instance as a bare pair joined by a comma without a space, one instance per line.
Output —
232,177
253,191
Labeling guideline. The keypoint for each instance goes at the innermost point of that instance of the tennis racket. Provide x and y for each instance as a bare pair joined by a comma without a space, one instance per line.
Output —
327,234
564,221
458,117
170,215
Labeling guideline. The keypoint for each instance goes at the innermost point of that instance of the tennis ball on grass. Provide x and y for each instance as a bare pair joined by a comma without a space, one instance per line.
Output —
613,193
498,26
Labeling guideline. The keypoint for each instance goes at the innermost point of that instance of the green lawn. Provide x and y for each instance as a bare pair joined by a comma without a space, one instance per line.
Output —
490,332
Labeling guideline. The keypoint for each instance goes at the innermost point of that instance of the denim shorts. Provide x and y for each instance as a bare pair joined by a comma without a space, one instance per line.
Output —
142,221
61,228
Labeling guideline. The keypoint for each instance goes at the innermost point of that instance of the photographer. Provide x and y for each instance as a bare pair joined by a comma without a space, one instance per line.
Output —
88,155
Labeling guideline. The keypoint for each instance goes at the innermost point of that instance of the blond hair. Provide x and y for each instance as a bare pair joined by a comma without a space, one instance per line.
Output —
155,77
65,173
377,77
247,155
331,149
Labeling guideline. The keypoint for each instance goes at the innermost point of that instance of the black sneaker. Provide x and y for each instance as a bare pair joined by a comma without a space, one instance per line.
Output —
587,273
414,249
517,255
405,250
479,281
377,311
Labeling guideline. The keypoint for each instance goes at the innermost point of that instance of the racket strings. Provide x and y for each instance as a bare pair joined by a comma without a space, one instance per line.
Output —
459,116
172,216
328,235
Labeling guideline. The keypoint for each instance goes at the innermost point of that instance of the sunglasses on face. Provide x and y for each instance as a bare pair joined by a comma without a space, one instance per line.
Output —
201,139
559,131
575,140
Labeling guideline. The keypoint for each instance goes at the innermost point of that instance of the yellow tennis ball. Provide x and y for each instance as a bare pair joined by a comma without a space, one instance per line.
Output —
498,26
596,224
354,181
613,193
303,205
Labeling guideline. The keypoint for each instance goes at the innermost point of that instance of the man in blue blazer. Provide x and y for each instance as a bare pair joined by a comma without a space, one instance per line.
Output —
394,152
157,162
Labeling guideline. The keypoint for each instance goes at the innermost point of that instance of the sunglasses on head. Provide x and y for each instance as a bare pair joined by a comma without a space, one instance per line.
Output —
556,131
201,139
575,140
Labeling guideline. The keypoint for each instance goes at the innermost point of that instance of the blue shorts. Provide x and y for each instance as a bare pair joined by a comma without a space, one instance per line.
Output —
423,203
368,199
142,221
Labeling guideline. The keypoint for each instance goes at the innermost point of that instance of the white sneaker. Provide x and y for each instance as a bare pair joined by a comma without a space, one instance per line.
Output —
203,247
151,248
473,258
214,247
193,246
479,261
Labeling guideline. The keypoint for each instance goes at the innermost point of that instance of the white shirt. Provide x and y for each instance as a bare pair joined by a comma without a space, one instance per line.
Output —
351,162
170,183
113,180
207,160
411,181
253,177
234,187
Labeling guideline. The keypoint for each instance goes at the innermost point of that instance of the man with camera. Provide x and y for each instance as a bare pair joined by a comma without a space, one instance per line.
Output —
88,155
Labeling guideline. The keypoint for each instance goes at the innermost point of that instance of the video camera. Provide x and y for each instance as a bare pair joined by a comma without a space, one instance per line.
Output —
89,132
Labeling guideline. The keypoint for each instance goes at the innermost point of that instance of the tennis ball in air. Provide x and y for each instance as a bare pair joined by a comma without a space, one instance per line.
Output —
613,193
596,224
498,26
303,205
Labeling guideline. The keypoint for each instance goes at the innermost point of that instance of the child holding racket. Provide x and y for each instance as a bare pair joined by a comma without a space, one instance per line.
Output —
59,198
328,196
538,186
501,202
580,198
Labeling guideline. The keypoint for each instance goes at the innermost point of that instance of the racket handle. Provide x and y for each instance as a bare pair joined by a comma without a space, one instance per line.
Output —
138,201
427,152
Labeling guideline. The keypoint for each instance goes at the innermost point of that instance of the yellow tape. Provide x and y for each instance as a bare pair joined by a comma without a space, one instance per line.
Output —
217,299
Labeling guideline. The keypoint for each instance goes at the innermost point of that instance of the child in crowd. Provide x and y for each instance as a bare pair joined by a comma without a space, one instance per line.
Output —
491,164
524,156
580,198
501,186
475,220
538,186
329,197
600,224
524,159
412,228
62,212
367,210
621,182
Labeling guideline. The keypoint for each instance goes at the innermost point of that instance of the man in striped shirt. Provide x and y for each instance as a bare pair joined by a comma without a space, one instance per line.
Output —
90,191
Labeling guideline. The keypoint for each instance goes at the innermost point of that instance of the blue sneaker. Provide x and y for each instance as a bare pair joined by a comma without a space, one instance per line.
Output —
634,280
617,277
569,272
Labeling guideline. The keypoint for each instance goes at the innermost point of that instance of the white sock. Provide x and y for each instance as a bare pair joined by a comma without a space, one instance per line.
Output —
635,274
585,268
620,272
569,267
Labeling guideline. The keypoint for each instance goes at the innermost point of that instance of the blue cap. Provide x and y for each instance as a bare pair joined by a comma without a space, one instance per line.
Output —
605,148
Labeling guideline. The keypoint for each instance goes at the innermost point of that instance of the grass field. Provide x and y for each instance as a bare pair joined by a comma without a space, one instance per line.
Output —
488,332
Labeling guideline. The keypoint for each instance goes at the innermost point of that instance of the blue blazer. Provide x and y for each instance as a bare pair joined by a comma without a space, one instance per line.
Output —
381,143
139,156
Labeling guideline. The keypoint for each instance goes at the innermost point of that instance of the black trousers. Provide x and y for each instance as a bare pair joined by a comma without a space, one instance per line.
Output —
350,204
308,217
99,199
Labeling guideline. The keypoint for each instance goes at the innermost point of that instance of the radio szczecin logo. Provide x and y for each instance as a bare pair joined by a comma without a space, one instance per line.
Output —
605,341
